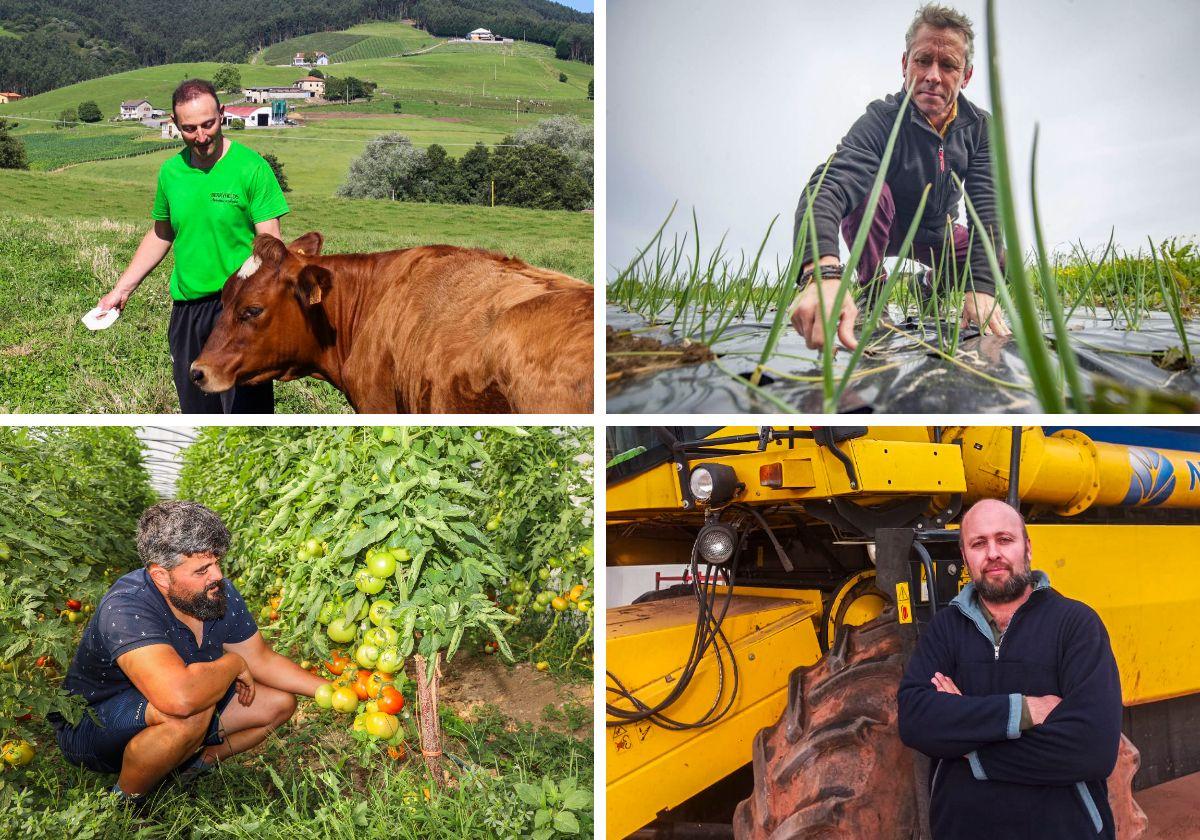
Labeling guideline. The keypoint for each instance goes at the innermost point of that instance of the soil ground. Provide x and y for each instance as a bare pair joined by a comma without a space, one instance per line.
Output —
652,354
520,691
1172,808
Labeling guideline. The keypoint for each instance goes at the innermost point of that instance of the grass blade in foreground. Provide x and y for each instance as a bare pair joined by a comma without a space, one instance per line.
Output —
1041,366
1066,356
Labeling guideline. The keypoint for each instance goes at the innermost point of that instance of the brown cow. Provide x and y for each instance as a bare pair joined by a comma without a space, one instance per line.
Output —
429,329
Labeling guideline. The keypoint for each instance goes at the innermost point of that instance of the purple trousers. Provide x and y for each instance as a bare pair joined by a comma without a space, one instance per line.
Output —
886,236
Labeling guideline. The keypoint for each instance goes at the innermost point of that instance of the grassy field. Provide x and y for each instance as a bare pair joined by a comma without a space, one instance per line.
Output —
74,235
314,778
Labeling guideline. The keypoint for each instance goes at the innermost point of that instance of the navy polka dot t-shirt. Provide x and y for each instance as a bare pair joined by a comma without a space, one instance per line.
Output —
133,614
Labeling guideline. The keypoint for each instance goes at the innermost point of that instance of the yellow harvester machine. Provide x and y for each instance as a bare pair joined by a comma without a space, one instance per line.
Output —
795,534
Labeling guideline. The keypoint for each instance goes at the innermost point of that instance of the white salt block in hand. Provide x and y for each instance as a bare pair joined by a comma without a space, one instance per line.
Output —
101,320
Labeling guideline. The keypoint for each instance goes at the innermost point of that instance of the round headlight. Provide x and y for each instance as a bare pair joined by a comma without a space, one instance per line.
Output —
717,543
702,484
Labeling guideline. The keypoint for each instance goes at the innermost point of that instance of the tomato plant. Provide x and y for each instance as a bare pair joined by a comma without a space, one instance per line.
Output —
386,531
70,498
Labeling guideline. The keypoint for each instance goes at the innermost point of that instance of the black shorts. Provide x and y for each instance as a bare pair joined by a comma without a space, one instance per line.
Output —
122,716
192,322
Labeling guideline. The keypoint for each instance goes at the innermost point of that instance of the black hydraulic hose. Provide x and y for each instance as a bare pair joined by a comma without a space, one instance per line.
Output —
708,634
927,562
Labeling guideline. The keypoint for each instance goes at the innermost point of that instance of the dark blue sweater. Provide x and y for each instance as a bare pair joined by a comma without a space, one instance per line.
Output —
989,779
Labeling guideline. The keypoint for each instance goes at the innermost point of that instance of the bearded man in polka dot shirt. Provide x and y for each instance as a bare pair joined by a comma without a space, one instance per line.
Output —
169,648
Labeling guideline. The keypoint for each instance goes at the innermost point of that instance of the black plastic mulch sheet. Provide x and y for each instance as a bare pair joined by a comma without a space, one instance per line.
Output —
900,376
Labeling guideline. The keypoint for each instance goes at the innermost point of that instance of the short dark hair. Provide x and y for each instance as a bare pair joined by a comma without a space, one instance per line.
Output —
190,89
942,17
171,529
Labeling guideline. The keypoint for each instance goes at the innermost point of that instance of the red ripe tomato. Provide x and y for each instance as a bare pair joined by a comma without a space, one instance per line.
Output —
362,684
337,663
73,604
390,701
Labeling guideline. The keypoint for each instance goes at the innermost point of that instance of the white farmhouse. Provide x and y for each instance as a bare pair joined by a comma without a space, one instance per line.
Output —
136,109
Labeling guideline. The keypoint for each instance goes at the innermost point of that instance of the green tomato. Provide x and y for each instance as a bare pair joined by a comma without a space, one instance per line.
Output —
518,586
492,524
401,554
537,607
324,696
303,556
5,551
381,637
367,583
523,598
387,434
341,630
326,614
584,606
543,574
390,660
382,564
553,464
366,655
543,597
379,613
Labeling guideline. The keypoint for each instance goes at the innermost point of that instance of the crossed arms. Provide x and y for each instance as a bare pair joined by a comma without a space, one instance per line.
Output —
1076,741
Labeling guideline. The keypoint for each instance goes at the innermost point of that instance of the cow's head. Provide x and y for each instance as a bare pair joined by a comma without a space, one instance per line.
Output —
272,324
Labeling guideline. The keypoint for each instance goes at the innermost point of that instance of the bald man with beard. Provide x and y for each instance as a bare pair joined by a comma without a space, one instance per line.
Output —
1014,695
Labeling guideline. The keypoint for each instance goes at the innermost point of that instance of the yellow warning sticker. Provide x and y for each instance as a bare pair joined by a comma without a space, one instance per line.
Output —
903,604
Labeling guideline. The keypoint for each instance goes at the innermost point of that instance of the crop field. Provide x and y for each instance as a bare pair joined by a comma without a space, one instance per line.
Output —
54,149
326,42
1105,330
81,225
331,43
373,46
460,706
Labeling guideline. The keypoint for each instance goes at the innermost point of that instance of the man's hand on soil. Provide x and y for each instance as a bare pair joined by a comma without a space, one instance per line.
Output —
945,685
809,324
1041,707
982,309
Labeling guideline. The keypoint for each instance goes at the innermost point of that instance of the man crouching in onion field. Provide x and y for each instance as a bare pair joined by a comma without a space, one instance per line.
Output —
161,662
942,135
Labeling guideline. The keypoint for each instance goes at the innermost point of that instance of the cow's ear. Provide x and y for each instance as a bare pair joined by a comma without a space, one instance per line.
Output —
313,284
309,244
270,250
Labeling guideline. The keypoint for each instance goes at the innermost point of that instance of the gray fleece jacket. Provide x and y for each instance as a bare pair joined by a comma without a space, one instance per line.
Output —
920,157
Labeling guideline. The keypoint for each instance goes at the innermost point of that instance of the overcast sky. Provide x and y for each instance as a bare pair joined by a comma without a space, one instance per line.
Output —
720,111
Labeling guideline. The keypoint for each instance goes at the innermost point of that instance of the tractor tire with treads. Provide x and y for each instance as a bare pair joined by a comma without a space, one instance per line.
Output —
834,765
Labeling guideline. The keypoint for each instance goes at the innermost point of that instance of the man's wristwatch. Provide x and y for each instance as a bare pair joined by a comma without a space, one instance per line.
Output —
828,272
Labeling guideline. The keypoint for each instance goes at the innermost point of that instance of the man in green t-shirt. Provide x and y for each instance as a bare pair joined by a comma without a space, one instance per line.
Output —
212,199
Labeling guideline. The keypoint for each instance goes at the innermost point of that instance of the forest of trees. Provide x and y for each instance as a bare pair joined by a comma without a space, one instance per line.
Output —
67,41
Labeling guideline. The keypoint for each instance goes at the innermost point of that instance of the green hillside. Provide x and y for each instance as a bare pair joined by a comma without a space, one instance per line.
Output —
4,33
326,42
401,38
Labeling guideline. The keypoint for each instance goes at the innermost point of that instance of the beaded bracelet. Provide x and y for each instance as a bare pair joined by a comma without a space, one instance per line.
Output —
828,272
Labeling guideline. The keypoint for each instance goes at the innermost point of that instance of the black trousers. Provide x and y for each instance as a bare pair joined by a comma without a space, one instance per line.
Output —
191,323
